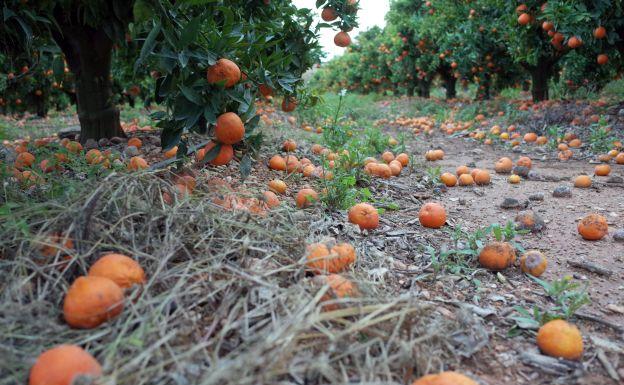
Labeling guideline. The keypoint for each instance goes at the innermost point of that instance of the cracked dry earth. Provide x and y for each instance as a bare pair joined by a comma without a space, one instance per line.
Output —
599,265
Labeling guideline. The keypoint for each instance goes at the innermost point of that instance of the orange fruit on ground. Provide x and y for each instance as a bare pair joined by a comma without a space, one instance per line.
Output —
339,287
229,128
306,197
24,160
448,179
619,159
270,199
136,142
387,156
403,158
445,378
514,179
574,143
462,170
224,72
323,260
530,137
541,140
74,147
62,364
482,177
432,215
593,227
559,338
582,181
277,186
289,145
524,161
382,170
137,163
94,156
308,170
497,256
533,262
91,301
292,163
123,270
503,166
316,149
395,167
171,153
466,180
438,154
562,147
364,215
602,170
277,163
605,158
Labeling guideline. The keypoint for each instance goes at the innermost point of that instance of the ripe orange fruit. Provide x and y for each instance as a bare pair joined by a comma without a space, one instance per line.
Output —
530,137
364,215
137,163
387,156
225,155
316,148
593,227
574,42
289,104
277,163
503,165
541,140
600,33
328,14
224,72
524,19
602,59
533,262
514,179
466,180
229,128
24,160
342,39
382,170
582,181
265,90
74,147
270,199
448,179
462,170
91,301
292,163
403,158
602,170
482,177
323,260
277,186
559,338
122,270
94,156
62,364
562,147
432,215
619,159
395,167
339,287
289,145
574,143
524,161
172,152
306,197
445,378
497,256
136,142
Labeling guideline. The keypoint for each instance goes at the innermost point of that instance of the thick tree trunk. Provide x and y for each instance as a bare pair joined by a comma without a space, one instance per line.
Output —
540,74
450,83
88,53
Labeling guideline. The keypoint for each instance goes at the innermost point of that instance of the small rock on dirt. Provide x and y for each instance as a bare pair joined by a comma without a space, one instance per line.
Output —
103,142
116,140
538,197
90,144
521,171
131,151
511,203
562,192
618,235
615,179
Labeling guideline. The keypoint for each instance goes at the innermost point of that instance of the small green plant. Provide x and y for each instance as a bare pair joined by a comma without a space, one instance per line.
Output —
600,140
567,298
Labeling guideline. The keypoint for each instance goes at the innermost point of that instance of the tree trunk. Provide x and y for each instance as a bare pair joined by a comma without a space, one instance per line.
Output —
449,84
540,74
88,53
424,88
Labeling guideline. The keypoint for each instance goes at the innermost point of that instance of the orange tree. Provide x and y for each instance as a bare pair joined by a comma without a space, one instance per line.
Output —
272,42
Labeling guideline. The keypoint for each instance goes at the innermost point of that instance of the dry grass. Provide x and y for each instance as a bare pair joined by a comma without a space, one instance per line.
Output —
227,301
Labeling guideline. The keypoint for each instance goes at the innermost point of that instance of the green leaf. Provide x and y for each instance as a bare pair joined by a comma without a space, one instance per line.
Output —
148,45
191,95
190,32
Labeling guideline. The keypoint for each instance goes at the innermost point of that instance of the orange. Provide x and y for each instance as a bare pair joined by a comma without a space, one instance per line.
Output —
541,140
24,160
448,179
482,177
316,149
94,156
600,33
122,270
514,179
462,170
329,14
62,364
574,143
270,199
306,197
364,215
229,128
582,181
278,186
136,142
277,163
395,167
289,104
289,145
339,287
533,262
593,227
602,59
503,166
387,156
574,42
171,153
466,180
619,159
91,301
524,161
74,147
403,158
323,260
432,215
292,163
602,170
342,39
559,338
497,256
224,72
530,137
382,170
137,163
445,378
225,155
524,19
